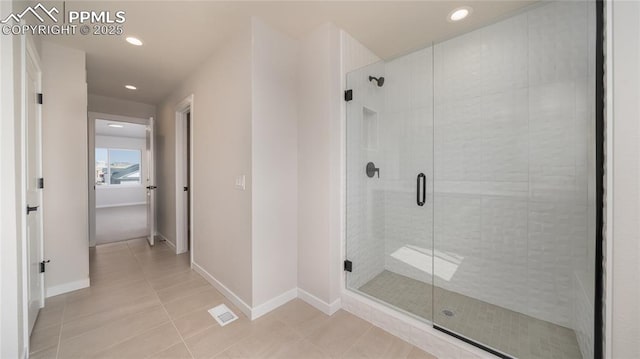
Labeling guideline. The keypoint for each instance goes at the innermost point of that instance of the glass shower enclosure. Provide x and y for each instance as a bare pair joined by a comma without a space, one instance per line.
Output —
470,177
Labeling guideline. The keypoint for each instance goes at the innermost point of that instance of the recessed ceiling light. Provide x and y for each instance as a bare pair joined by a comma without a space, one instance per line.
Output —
115,125
134,41
131,87
459,13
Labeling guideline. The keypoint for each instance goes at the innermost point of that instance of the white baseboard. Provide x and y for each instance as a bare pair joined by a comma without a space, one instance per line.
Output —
321,305
121,205
244,307
266,307
67,287
273,303
166,240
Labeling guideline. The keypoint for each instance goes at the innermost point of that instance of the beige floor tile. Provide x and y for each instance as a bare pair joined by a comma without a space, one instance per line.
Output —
271,343
170,280
205,299
216,339
184,289
44,338
100,289
337,334
197,321
165,267
84,324
143,344
376,343
107,300
178,351
122,315
111,266
417,353
114,274
49,316
117,281
50,353
112,333
299,314
56,301
301,349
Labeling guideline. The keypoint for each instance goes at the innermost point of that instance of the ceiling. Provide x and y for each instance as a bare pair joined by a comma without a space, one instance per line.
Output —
131,130
180,35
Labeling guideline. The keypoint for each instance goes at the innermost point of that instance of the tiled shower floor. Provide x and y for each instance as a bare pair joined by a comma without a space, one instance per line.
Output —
510,332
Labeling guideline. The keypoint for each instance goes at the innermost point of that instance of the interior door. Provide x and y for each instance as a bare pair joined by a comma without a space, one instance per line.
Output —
151,208
33,173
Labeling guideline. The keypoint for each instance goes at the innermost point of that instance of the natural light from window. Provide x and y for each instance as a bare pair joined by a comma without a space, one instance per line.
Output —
117,166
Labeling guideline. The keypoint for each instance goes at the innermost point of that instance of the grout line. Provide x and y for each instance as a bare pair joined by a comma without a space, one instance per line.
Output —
165,310
353,344
64,310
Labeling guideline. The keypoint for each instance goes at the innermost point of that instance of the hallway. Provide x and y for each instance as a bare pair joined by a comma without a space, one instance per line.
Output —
146,303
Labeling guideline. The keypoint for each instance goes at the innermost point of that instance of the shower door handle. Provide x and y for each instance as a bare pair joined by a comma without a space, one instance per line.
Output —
421,184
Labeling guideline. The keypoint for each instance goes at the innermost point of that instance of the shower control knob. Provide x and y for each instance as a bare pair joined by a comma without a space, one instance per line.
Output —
372,170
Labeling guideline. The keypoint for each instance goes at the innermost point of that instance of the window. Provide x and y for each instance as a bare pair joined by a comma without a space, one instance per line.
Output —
117,166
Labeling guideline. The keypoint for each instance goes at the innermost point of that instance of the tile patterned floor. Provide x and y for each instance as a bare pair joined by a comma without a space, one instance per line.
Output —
503,329
146,303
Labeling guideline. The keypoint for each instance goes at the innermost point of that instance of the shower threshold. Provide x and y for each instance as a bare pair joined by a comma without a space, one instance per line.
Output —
514,333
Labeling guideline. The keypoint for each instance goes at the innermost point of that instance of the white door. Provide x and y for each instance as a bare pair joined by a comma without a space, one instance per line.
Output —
151,193
33,173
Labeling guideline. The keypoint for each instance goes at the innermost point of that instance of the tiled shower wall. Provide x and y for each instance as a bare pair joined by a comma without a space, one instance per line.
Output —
509,158
512,109
365,196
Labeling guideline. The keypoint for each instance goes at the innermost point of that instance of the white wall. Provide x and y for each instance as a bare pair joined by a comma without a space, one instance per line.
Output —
115,106
274,163
623,186
313,163
320,160
111,196
244,123
221,127
64,132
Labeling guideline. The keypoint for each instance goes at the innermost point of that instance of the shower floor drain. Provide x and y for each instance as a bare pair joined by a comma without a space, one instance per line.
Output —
448,313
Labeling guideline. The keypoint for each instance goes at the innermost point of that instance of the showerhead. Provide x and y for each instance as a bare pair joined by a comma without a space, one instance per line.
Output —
379,80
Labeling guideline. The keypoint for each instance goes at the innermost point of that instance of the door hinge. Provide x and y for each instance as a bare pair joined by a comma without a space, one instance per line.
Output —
41,182
40,99
348,266
42,265
348,95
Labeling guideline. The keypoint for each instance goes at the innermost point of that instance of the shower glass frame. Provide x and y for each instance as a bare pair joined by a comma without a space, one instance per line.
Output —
381,243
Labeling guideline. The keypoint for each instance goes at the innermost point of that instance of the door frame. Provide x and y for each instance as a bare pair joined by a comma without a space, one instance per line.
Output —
30,54
91,128
181,109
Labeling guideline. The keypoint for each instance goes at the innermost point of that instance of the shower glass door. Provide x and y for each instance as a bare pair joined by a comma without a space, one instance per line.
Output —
514,225
470,174
390,183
